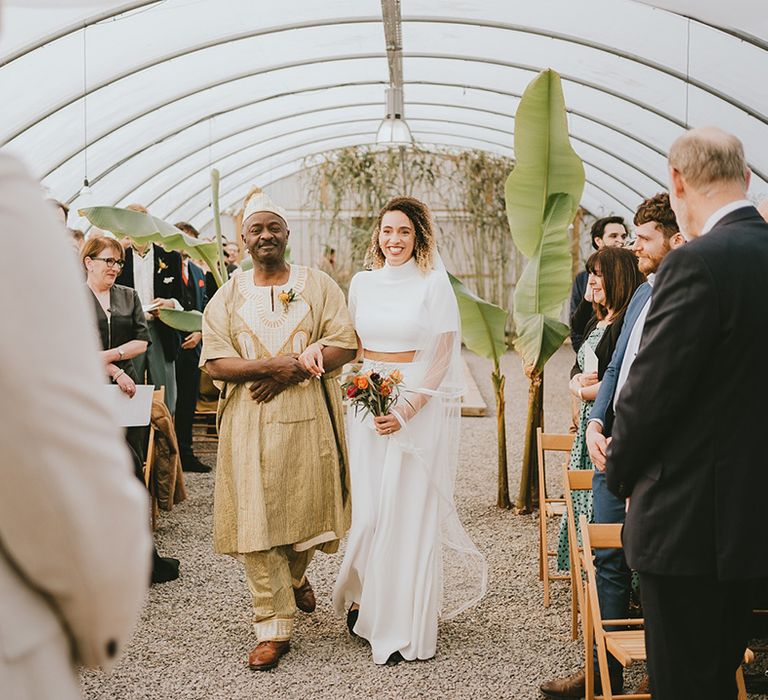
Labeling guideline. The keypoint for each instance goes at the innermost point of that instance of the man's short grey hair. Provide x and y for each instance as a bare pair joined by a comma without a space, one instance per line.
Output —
709,156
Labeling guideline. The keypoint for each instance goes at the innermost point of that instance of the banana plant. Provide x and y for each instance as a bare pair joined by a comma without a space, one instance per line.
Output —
482,330
542,196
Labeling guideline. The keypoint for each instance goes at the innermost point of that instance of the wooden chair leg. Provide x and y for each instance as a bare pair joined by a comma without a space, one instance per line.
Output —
740,685
589,665
544,558
574,604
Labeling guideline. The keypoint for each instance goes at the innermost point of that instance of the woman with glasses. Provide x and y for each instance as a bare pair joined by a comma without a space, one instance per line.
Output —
122,326
124,336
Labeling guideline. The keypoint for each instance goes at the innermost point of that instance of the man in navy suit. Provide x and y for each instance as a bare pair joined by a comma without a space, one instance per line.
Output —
687,447
657,234
193,297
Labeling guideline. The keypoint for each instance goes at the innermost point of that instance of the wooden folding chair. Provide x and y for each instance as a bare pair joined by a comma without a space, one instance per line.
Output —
549,507
627,646
575,480
206,440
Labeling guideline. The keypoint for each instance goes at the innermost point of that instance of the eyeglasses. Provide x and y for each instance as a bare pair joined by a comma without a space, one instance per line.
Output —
111,262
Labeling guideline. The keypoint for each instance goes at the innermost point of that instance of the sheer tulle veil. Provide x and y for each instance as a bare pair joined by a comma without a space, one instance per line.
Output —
430,416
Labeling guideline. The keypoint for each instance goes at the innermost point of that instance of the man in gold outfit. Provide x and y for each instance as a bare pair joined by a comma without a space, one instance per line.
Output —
282,484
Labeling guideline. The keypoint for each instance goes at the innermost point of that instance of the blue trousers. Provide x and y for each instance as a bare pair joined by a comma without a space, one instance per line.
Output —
614,579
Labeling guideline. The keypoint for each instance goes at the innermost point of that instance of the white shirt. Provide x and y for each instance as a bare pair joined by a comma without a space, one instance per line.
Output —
144,279
144,275
723,212
633,345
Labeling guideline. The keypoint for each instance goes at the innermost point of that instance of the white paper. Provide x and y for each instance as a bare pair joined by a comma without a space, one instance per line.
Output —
590,360
130,411
151,307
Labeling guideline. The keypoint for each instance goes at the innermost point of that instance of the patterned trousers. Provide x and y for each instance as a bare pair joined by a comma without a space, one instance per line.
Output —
272,575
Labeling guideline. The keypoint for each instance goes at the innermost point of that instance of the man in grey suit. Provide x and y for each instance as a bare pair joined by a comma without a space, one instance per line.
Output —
687,445
74,536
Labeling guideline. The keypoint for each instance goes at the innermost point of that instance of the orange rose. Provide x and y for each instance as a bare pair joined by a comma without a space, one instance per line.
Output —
361,382
283,296
385,390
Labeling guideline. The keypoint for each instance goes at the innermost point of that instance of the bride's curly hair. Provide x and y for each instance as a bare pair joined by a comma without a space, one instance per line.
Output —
424,243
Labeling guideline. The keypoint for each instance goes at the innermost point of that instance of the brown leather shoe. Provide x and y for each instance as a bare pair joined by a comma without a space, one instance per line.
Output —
305,597
266,655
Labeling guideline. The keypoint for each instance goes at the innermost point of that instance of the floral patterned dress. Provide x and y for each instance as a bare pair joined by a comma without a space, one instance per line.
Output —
582,500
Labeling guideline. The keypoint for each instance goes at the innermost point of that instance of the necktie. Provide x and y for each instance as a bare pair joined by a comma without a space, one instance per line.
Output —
184,274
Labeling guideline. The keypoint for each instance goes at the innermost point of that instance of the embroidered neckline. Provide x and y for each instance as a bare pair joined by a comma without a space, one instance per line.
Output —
260,295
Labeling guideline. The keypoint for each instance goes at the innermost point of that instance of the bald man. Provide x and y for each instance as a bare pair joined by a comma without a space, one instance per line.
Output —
687,444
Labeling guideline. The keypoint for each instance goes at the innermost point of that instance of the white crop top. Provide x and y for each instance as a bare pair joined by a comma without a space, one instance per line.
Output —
396,309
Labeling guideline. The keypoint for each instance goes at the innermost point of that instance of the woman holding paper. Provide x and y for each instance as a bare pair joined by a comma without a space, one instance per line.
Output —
122,326
613,279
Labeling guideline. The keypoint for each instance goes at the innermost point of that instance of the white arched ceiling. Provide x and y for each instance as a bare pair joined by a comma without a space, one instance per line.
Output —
161,92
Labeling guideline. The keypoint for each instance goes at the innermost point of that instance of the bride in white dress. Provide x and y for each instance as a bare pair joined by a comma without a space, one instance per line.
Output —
408,559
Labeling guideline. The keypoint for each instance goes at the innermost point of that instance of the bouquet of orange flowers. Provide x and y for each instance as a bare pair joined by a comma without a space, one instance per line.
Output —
372,393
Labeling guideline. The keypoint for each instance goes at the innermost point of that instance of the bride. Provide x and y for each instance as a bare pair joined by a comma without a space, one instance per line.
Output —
408,559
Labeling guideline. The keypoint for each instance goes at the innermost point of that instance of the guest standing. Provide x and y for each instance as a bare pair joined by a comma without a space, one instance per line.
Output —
613,279
68,500
688,436
155,274
194,297
408,558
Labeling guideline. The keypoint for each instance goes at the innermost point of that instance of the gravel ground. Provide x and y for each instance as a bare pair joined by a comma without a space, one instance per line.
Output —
195,633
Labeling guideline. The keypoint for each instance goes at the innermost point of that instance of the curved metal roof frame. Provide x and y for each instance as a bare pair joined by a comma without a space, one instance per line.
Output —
202,119
247,181
223,157
577,75
444,20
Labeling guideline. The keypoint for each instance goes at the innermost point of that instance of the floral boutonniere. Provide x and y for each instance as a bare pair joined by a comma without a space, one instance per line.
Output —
161,265
168,280
287,298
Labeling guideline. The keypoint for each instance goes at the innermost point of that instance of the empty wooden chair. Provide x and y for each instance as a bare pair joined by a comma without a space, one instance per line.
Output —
549,507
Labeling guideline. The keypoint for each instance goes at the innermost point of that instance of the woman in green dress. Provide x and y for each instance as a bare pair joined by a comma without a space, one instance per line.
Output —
613,279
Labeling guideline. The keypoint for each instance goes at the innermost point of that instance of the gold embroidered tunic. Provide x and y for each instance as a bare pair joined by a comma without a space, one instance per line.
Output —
281,474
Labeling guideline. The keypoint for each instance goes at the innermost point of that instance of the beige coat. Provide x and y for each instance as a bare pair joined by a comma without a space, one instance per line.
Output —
74,539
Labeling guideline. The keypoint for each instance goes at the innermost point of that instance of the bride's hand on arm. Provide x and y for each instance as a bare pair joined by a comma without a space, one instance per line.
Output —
312,360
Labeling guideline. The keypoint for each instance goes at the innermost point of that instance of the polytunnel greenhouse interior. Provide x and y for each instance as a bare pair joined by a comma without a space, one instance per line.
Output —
520,126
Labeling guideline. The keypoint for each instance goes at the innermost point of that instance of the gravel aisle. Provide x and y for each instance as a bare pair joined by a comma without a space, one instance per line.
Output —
195,633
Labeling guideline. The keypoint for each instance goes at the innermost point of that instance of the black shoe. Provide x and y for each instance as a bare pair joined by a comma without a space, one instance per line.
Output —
395,658
352,615
164,569
193,464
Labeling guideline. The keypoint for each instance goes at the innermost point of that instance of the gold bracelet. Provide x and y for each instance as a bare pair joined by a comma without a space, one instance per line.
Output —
118,374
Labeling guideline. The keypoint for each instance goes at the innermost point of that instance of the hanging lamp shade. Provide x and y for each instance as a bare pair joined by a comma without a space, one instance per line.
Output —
393,129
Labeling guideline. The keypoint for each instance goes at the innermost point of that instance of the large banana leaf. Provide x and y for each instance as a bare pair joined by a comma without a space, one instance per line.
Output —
145,228
185,321
482,323
542,196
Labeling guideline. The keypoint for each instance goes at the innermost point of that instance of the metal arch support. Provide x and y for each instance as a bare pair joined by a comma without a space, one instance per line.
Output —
469,59
523,29
613,176
212,115
369,20
499,146
327,59
189,154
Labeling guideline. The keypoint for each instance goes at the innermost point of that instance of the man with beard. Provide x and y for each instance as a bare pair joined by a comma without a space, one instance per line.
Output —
282,484
657,234
687,448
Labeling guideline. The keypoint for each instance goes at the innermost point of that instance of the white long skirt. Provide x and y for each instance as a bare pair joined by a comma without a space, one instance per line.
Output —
392,566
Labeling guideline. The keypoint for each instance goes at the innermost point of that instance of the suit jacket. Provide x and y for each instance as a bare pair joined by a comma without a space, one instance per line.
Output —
195,297
75,547
688,438
602,409
578,303
168,285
